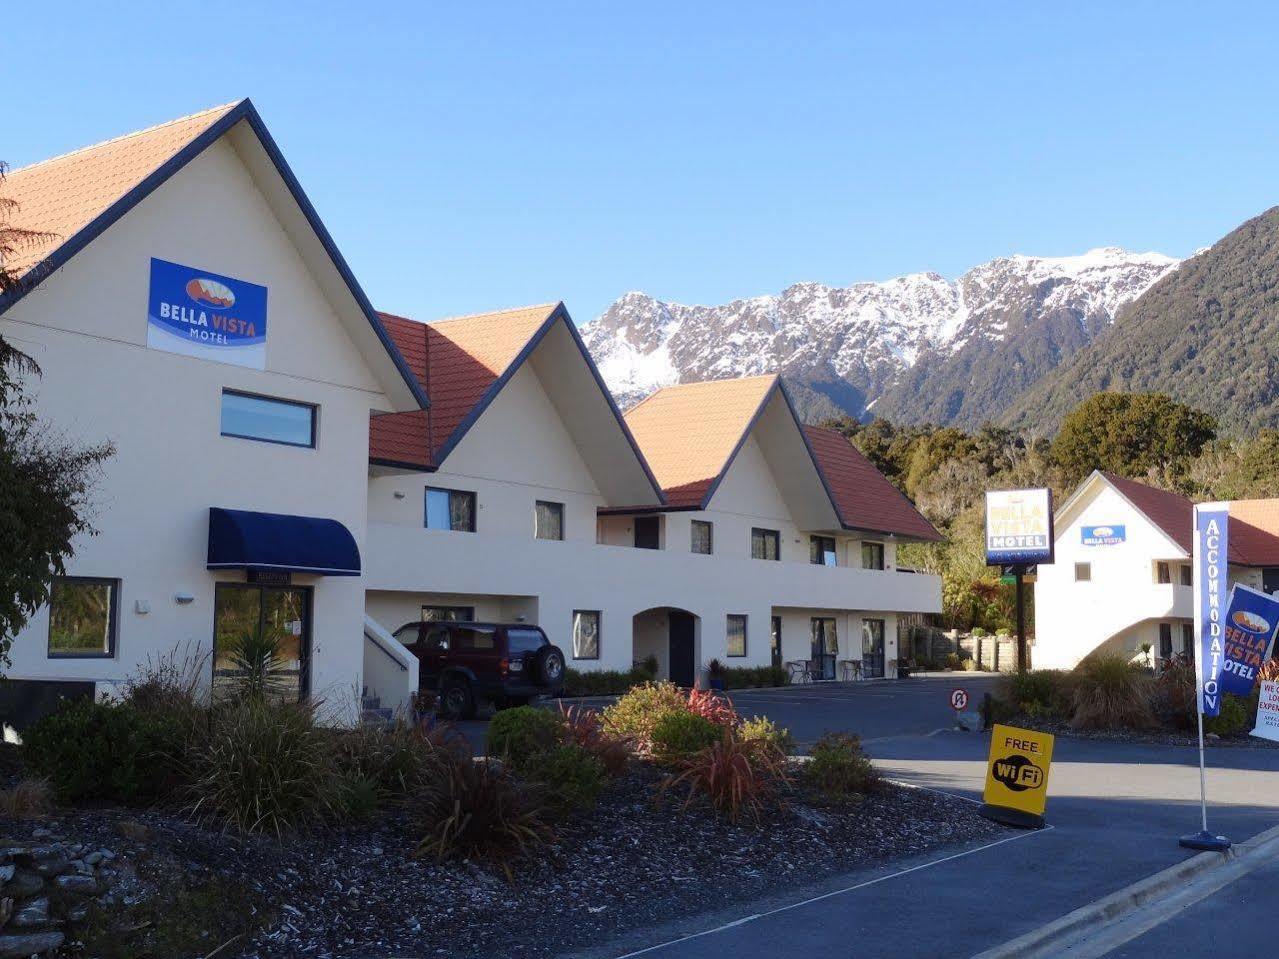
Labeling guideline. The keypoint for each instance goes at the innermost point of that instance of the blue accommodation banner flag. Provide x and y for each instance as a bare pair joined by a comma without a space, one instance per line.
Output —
1249,628
1212,522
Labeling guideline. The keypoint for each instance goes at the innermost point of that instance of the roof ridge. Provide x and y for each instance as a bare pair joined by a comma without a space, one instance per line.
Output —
472,316
222,108
718,382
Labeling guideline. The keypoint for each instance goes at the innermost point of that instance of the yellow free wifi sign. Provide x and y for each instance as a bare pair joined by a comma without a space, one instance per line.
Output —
1017,775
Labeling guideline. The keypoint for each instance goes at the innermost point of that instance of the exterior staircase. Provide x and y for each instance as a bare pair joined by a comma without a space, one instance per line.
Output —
372,712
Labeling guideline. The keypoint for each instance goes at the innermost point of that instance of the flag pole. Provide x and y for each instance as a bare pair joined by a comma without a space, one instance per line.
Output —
1203,840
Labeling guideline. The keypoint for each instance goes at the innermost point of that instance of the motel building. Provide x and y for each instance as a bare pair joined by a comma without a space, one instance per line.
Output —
1121,581
290,460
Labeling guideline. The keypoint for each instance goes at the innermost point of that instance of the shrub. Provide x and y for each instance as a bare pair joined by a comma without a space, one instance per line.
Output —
953,661
388,765
764,730
1037,692
609,682
968,665
1108,692
585,728
26,799
104,750
1174,694
267,768
482,813
636,713
737,776
750,677
569,777
516,734
1234,718
680,734
708,705
838,768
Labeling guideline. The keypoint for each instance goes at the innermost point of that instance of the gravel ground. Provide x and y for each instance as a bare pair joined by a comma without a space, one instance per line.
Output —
357,892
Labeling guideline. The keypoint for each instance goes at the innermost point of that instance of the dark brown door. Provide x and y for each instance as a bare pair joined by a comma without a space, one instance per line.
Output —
775,642
681,651
647,532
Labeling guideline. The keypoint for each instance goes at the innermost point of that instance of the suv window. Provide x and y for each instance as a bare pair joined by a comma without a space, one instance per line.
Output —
525,640
409,633
471,638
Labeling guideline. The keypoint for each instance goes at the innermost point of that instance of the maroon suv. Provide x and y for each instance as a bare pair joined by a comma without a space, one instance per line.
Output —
469,663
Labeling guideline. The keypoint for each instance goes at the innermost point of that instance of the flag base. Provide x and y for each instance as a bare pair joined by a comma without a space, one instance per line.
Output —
1012,817
1205,841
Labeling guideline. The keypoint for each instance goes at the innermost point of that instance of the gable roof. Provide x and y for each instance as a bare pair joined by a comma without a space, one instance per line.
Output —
690,433
863,496
78,195
463,363
1253,538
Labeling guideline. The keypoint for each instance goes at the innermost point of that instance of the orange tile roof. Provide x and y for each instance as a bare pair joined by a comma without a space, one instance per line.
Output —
65,194
458,361
864,498
689,432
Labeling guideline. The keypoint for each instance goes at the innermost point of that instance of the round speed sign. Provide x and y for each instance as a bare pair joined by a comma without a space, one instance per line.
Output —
958,699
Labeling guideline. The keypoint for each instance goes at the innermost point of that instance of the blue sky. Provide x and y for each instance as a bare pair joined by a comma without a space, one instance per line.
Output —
473,156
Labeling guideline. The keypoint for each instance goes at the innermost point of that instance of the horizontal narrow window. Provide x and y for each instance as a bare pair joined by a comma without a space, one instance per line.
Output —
272,421
82,616
451,509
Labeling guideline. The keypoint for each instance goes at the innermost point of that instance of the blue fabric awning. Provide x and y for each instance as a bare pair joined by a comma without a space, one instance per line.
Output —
239,539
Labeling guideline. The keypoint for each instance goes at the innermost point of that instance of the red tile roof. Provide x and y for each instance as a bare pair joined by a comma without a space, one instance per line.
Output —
62,195
864,498
1253,538
458,361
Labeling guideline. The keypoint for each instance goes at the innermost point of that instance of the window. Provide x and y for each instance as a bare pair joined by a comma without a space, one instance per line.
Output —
872,555
549,520
703,537
261,631
648,532
586,634
736,634
1188,640
821,551
448,614
82,616
765,544
1165,640
252,417
1162,573
450,509
524,639
1187,575
1083,572
471,638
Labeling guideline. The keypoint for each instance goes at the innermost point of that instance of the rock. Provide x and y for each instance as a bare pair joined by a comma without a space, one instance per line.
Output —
132,829
106,853
34,912
77,912
6,872
969,720
82,867
24,884
23,946
93,858
54,865
80,885
41,833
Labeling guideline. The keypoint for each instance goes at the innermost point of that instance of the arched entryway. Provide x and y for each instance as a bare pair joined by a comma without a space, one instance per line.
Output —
672,637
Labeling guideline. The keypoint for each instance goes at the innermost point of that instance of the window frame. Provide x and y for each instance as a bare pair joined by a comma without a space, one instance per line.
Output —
426,507
877,549
536,532
599,633
728,635
764,535
1185,575
710,537
314,409
817,542
1165,641
1163,573
1087,570
1188,640
113,617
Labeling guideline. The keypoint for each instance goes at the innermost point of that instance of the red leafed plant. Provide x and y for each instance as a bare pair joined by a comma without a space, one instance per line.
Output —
718,709
738,777
584,728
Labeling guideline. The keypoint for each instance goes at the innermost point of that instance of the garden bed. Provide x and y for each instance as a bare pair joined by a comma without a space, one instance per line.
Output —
356,891
1159,736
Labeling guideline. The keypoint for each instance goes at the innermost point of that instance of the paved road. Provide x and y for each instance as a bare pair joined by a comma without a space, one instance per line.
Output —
1238,920
1115,811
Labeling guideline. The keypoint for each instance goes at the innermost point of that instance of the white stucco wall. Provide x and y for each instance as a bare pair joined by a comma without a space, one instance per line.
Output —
86,326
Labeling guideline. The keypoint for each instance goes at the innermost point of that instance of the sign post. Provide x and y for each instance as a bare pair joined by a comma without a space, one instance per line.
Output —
1211,549
1019,534
1016,792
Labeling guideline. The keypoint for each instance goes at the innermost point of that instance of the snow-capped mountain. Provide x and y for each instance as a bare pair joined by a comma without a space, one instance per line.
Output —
844,349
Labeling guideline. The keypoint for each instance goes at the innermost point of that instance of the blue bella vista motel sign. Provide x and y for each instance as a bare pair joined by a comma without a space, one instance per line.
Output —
206,315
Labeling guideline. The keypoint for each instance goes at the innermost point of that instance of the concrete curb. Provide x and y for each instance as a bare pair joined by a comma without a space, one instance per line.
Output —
1087,921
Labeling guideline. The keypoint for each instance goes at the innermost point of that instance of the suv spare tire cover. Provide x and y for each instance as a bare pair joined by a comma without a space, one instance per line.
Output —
550,665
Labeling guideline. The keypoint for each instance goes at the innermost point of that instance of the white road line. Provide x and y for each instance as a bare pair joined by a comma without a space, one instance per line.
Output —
828,895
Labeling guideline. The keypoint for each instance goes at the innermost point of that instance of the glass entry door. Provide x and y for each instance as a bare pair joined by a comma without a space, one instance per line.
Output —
872,648
270,625
825,647
775,642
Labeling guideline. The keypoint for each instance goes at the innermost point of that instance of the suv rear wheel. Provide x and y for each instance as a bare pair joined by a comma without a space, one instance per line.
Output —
457,699
550,666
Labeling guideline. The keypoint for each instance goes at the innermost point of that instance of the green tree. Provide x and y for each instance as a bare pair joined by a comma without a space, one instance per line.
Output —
45,479
1132,434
